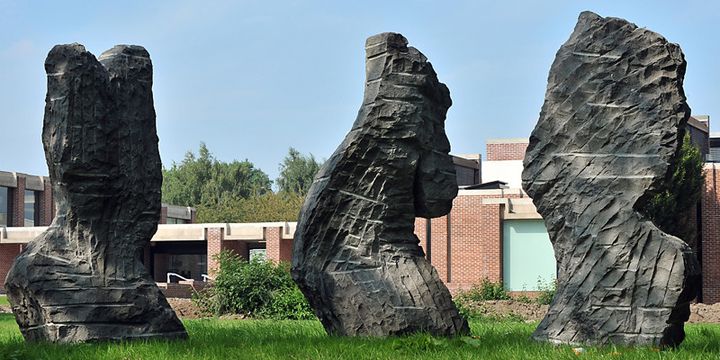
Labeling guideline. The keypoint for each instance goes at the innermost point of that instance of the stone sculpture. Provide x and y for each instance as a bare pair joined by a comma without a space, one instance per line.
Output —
608,135
355,256
83,278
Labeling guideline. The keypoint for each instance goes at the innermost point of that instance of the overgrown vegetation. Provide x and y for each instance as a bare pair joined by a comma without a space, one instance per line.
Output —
257,288
266,207
273,339
469,302
547,291
485,290
673,206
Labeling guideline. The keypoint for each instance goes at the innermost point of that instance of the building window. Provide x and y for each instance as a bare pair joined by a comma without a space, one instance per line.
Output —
4,206
32,212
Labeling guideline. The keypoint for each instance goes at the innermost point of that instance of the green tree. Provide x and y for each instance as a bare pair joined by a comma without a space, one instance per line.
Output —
203,180
672,208
297,172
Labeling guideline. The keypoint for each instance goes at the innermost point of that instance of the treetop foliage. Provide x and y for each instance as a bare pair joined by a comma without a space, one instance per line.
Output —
237,191
297,172
203,180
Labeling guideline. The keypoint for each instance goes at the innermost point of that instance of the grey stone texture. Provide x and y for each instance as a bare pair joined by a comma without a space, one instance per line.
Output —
83,278
355,256
607,137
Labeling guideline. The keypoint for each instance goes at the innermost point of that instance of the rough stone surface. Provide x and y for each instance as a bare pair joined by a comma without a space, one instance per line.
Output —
607,137
356,257
83,279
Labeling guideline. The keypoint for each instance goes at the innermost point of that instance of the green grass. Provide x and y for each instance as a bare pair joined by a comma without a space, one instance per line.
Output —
4,300
257,339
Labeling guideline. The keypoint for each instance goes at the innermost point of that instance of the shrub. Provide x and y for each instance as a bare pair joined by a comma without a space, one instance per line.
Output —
256,288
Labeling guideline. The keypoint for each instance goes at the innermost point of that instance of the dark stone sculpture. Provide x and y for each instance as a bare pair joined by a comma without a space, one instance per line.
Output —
83,278
355,256
607,138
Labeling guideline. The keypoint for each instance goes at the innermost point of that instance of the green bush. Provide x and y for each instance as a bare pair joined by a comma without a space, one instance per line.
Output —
255,288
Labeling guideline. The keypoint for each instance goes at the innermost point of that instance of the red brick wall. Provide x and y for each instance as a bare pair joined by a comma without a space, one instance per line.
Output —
182,289
710,203
8,252
508,151
476,241
439,247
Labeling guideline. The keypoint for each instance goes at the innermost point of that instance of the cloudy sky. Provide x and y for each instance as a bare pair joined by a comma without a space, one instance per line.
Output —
252,78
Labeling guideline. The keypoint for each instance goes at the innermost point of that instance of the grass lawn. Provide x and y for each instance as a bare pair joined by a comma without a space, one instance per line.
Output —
4,301
255,339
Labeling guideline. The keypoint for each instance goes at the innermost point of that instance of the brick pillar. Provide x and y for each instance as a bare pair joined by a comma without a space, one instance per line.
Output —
18,203
710,205
273,244
214,238
46,206
193,215
163,215
8,252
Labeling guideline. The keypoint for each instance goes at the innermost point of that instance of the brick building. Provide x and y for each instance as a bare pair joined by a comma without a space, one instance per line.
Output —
493,230
26,209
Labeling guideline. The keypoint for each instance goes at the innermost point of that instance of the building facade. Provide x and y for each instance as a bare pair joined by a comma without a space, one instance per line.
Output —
492,232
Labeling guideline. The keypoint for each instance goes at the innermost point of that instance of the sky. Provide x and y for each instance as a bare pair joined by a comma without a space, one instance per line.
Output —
253,78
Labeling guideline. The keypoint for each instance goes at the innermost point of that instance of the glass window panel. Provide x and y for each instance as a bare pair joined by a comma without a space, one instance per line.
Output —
4,199
29,208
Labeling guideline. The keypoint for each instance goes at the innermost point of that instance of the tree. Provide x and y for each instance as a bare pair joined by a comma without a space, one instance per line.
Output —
203,180
297,172
673,207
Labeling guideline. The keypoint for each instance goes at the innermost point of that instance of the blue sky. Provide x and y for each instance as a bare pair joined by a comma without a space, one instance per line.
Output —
252,78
